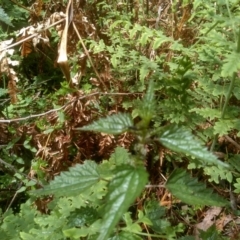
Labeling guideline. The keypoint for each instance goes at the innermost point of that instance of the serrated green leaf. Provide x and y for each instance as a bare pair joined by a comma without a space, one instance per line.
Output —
144,38
120,156
231,65
114,61
5,18
148,103
115,124
207,112
144,71
76,180
159,41
146,108
181,140
156,213
192,192
83,216
2,90
132,32
142,218
223,126
237,186
76,233
130,225
217,173
124,188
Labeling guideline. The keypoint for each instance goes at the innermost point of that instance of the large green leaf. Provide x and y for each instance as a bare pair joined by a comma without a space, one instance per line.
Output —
181,140
76,180
192,192
114,124
124,188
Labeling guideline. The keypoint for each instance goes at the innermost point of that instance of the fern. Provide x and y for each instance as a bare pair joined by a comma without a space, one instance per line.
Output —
218,173
231,65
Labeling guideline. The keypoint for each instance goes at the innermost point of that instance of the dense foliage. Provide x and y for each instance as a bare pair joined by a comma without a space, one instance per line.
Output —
119,119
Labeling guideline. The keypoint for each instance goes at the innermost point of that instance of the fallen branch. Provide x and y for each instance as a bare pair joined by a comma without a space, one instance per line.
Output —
31,36
89,58
60,108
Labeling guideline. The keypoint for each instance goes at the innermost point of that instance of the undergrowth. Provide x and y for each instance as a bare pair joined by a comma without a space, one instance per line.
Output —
119,120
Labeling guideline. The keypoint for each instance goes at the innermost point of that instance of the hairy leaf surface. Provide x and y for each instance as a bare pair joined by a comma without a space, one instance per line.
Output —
190,191
231,65
76,180
181,140
126,185
114,124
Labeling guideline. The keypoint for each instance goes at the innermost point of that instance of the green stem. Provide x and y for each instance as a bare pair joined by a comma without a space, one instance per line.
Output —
229,93
209,30
150,235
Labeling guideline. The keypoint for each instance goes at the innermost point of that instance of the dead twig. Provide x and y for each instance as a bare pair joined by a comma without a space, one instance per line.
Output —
89,58
62,107
32,36
232,142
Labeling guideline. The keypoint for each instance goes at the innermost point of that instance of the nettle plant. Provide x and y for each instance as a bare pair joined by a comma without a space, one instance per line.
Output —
92,200
196,86
199,85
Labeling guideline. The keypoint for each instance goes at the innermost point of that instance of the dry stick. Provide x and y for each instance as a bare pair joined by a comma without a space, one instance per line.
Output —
10,204
62,50
8,166
229,92
228,138
12,168
45,113
20,5
155,186
60,108
31,36
232,141
89,58
145,226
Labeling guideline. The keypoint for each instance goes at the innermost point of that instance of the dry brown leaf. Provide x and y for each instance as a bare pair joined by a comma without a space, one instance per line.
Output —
37,7
62,58
208,221
12,88
223,221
